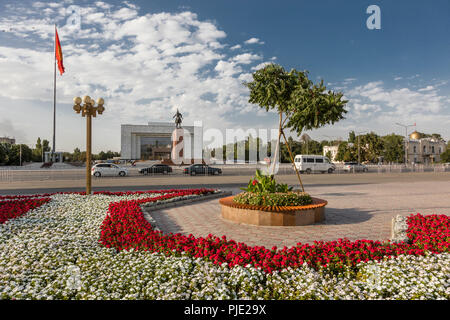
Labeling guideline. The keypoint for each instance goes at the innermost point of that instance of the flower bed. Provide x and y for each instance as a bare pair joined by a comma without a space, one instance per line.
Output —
53,252
126,228
10,209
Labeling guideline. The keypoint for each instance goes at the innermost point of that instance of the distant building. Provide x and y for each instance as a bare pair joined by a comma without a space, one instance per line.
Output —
333,150
7,140
154,141
424,150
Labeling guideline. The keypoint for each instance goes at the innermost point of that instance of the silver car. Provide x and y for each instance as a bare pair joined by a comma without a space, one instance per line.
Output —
108,169
355,167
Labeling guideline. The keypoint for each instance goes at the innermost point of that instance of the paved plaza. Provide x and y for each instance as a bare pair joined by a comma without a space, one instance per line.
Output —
360,206
354,211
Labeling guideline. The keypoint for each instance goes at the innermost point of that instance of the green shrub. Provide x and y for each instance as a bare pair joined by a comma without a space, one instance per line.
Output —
273,199
265,183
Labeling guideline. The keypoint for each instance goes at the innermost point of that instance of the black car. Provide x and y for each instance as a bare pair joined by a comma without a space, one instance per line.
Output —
156,168
201,169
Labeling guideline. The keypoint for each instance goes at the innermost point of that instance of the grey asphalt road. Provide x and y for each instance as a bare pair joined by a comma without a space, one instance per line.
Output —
223,182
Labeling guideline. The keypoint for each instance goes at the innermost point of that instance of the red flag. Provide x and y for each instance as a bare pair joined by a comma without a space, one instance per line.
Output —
58,53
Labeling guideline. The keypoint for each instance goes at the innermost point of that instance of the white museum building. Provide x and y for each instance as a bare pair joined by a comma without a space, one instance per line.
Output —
156,140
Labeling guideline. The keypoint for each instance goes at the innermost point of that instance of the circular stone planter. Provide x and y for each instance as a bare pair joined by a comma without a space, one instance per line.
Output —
273,215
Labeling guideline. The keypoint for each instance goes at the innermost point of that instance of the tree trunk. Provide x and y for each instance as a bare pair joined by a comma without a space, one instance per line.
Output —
292,160
277,147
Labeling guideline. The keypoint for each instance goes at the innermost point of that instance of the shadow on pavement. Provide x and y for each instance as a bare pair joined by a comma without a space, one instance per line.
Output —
342,194
334,216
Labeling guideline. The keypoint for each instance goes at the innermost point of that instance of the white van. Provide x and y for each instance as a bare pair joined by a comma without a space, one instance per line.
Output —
311,163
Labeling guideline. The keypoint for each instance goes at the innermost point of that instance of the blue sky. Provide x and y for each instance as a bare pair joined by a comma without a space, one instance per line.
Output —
330,37
146,58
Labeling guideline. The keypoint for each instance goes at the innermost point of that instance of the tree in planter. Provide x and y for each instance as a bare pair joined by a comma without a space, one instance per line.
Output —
300,104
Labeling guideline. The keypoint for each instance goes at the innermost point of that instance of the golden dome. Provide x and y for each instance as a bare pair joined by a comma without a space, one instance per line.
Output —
415,135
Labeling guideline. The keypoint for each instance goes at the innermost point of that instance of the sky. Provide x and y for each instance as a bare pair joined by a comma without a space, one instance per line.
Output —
148,58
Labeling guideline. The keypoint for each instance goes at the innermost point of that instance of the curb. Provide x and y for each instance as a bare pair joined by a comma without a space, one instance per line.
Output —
175,203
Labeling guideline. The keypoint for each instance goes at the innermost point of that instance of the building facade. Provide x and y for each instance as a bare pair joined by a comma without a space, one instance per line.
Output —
154,141
424,150
7,140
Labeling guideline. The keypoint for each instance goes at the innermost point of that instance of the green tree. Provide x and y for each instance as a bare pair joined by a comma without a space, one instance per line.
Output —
8,154
3,153
300,104
445,156
38,144
37,153
372,146
11,154
347,152
76,156
394,148
46,145
352,137
24,152
436,136
312,147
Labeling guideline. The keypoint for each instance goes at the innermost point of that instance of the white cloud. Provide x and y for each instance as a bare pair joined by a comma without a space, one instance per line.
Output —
103,5
145,66
403,100
246,58
238,46
253,41
378,108
261,65
125,14
428,88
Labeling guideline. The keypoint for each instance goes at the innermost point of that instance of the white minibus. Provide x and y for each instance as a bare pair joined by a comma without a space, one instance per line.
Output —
313,163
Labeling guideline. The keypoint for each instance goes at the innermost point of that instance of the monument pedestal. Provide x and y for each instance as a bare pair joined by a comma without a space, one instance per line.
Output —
177,155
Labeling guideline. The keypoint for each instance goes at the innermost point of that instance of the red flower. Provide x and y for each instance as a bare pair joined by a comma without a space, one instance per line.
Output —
10,209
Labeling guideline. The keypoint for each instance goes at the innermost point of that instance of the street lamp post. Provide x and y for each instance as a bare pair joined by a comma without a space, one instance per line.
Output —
88,110
406,138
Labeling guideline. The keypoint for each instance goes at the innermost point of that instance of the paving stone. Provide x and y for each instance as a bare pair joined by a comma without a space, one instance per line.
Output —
365,215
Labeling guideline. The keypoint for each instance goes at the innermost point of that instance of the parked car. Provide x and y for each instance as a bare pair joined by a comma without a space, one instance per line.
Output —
201,169
156,168
108,169
313,163
355,167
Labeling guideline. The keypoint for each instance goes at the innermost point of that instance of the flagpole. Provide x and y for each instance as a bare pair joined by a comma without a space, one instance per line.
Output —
54,100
